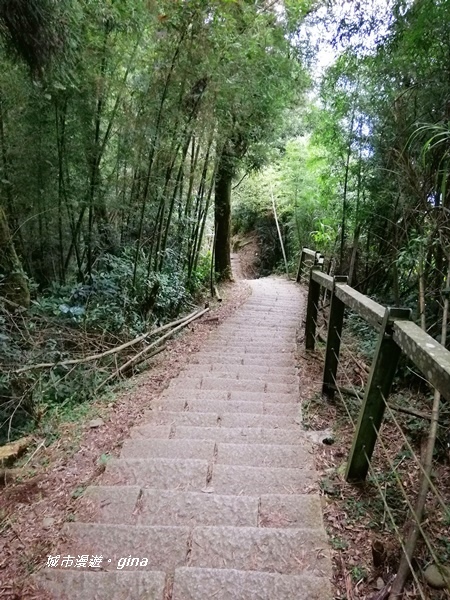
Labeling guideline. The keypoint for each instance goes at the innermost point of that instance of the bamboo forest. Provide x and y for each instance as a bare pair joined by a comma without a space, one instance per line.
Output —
160,160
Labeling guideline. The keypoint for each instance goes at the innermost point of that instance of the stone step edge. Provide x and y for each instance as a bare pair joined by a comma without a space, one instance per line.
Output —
302,435
92,489
249,585
117,462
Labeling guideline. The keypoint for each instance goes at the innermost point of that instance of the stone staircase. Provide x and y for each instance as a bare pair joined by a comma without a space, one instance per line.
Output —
217,491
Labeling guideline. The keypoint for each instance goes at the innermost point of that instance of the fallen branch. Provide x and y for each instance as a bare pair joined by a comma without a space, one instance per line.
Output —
154,353
139,355
115,350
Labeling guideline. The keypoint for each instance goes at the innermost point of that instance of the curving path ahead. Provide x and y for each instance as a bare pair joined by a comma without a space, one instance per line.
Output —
218,490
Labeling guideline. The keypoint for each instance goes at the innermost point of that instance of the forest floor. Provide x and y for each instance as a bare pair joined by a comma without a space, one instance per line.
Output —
42,492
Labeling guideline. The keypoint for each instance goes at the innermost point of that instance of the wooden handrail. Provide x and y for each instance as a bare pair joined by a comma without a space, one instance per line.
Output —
397,334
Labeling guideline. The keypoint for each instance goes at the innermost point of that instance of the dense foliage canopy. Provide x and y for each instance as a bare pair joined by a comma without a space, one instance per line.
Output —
120,125
364,178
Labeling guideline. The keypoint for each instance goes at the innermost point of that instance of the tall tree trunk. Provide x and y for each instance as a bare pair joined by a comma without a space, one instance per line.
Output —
351,270
151,156
222,216
422,305
13,283
344,199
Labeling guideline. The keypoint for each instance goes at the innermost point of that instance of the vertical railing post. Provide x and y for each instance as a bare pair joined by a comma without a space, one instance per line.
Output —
300,266
311,311
335,322
382,372
319,260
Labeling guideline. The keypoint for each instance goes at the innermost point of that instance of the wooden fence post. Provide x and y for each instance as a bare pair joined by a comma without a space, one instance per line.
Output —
300,265
382,372
337,309
311,311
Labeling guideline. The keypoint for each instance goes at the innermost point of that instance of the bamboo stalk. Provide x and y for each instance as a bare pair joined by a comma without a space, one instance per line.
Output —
279,233
138,357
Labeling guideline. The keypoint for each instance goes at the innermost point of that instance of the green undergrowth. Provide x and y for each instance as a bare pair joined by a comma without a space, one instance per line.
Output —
78,319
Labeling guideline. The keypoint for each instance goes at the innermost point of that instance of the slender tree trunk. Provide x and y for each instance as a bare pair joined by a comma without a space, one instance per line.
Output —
201,233
178,183
197,220
280,237
344,199
422,293
13,283
153,144
60,122
351,270
222,216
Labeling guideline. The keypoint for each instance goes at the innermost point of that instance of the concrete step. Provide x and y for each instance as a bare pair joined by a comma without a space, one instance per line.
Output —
211,419
265,322
268,347
165,548
221,406
100,585
239,435
263,455
231,384
286,511
247,385
287,409
289,551
254,348
131,505
256,369
259,337
242,372
275,311
271,398
254,481
167,417
111,504
188,449
192,509
163,473
241,325
232,584
265,421
226,406
167,403
241,358
246,333
161,432
178,393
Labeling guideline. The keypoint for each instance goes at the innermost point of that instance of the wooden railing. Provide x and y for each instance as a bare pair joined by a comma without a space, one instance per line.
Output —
397,335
